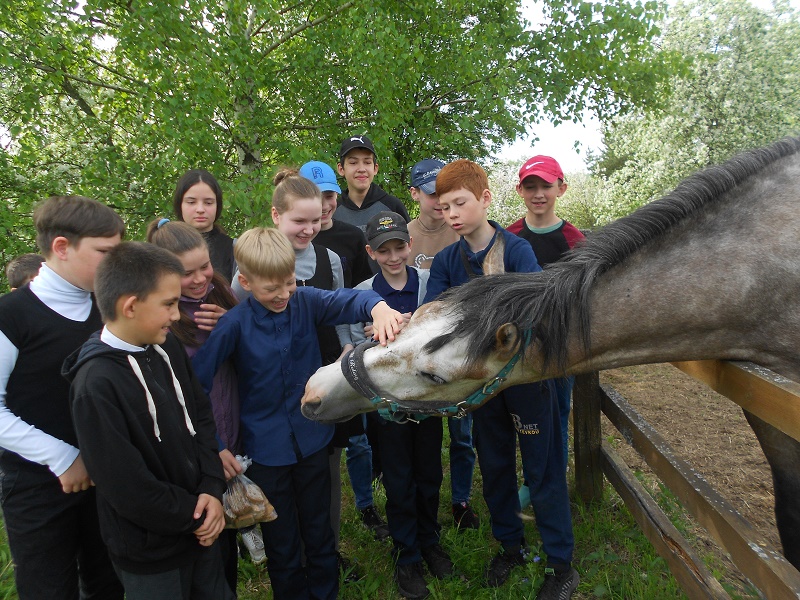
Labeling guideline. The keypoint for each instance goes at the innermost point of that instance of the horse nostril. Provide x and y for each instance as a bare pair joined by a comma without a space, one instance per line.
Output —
312,402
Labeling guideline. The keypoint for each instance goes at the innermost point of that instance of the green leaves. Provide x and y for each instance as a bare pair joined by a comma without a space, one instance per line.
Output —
117,99
734,87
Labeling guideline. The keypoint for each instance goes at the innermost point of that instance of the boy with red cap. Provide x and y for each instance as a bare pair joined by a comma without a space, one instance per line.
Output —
541,183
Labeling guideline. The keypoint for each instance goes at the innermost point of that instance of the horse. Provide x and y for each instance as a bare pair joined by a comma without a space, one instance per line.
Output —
710,271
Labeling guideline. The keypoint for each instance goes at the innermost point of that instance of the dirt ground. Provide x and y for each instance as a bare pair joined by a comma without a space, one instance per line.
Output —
708,431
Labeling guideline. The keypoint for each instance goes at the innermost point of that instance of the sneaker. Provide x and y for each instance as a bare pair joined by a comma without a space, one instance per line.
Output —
348,571
411,581
255,545
464,517
558,586
439,563
372,520
501,565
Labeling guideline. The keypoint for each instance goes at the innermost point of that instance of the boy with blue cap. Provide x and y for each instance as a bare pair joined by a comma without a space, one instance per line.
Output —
431,234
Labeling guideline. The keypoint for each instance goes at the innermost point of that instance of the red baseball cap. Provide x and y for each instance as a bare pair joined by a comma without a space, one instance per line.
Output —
545,167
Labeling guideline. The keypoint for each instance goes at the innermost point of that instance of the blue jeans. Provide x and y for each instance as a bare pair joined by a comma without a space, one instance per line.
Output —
526,414
563,395
359,467
462,458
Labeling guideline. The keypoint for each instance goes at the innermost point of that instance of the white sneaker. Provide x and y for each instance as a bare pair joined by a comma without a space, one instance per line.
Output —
255,544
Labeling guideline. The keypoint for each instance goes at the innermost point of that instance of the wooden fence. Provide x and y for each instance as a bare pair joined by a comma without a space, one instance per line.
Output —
771,397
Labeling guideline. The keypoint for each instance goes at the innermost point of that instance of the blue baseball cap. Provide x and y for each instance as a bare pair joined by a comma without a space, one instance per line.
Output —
321,174
423,174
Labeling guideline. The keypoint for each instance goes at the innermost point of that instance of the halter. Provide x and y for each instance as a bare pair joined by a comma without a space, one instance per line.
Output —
392,409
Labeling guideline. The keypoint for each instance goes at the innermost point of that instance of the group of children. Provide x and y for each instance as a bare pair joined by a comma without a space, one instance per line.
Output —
115,460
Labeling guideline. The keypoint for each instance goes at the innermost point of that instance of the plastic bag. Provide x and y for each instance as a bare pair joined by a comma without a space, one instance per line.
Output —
246,504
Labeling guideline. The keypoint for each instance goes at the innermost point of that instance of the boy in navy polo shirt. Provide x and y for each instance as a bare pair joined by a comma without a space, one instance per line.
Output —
525,413
272,337
411,450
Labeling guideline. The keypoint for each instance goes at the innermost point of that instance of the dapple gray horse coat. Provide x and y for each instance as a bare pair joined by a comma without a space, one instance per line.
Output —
711,271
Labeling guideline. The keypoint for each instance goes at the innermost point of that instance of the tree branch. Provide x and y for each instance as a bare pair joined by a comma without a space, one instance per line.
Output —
300,28
108,86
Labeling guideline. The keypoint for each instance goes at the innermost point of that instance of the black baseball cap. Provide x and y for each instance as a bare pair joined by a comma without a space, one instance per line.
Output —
353,142
385,226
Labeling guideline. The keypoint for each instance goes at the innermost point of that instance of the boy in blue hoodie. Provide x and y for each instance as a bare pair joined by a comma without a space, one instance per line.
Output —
146,432
272,338
526,413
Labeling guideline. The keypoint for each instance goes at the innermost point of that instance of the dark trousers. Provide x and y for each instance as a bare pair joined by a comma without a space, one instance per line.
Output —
301,495
412,477
55,541
203,579
527,413
229,553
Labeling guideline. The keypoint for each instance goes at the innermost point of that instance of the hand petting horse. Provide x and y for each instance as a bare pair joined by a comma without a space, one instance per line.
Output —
711,271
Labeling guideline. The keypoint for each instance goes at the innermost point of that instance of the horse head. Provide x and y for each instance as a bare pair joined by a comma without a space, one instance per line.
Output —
423,371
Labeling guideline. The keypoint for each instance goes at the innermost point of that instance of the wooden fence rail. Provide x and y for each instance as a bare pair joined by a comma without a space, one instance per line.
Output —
768,395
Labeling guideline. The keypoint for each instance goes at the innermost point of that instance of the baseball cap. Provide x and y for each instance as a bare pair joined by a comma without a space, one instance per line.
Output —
545,167
423,174
384,226
321,174
353,142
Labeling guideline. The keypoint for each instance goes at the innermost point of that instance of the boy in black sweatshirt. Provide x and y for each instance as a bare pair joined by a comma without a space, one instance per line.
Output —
146,433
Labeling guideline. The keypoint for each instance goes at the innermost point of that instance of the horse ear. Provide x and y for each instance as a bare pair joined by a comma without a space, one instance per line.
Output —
506,341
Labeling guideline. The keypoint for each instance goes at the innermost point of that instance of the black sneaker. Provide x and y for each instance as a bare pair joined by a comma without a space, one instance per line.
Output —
558,586
348,571
464,517
439,563
501,565
411,581
372,520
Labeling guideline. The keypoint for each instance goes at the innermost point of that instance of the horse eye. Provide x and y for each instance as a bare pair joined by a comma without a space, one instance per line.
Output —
432,377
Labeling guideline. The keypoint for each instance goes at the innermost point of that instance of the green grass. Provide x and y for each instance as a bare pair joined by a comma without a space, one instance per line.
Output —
614,560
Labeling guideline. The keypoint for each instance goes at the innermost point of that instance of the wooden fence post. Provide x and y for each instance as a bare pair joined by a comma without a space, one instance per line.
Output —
586,399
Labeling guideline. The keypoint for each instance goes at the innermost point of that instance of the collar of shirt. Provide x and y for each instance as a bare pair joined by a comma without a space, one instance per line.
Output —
399,300
60,295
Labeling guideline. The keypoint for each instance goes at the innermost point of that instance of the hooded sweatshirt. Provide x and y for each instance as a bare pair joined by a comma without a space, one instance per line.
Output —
375,201
146,434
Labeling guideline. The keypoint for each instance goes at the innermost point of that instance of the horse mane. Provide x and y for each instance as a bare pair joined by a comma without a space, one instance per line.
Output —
551,302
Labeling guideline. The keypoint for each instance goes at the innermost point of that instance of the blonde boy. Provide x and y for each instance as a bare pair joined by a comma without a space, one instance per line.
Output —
272,339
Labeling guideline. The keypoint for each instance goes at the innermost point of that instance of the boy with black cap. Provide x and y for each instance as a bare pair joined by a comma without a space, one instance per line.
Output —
411,449
362,199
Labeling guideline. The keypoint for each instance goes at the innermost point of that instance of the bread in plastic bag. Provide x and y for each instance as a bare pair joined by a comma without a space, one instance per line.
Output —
246,504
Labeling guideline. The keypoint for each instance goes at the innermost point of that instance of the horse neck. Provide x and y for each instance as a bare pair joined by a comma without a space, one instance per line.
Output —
722,285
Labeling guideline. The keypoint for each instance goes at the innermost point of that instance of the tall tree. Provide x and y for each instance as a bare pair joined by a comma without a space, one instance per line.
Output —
115,98
739,90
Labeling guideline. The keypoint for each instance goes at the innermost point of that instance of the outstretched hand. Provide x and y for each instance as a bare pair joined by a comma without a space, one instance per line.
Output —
386,323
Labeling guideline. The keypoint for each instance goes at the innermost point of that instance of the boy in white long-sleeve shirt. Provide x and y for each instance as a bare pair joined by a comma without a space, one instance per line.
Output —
48,502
